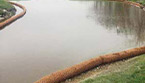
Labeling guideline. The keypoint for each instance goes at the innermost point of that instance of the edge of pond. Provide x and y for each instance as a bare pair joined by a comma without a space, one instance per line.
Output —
114,72
77,69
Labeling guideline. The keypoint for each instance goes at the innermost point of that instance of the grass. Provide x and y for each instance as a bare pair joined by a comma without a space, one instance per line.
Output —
6,10
5,5
133,71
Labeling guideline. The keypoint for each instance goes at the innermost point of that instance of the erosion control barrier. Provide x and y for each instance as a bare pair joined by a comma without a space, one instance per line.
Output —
62,75
13,18
134,4
130,3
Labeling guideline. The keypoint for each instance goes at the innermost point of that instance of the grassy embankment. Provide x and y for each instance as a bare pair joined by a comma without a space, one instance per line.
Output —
6,9
128,71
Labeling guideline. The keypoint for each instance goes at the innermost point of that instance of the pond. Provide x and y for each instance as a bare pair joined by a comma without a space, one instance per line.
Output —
55,34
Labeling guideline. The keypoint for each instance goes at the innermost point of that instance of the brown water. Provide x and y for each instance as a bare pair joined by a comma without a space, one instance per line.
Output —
55,34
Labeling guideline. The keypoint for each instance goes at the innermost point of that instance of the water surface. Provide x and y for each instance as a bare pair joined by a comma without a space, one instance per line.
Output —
55,34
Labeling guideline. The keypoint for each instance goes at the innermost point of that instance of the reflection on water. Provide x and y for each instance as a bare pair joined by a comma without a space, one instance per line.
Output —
55,34
124,19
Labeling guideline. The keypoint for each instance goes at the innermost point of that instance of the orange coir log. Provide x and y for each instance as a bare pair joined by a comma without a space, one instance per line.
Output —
134,4
62,75
70,72
130,3
13,18
122,55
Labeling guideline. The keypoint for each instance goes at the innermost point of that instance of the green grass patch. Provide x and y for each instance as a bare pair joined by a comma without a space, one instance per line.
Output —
6,10
133,73
5,5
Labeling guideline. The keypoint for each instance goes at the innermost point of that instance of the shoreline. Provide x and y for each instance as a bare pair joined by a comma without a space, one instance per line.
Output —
75,70
113,72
